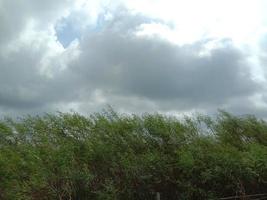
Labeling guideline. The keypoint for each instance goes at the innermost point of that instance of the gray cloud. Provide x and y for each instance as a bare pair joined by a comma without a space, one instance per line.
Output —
120,63
14,15
24,87
116,67
263,50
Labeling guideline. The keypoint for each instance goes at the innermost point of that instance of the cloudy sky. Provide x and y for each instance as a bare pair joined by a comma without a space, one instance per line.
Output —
169,56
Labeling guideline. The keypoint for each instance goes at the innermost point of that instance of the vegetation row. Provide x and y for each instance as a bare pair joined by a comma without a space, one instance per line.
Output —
107,155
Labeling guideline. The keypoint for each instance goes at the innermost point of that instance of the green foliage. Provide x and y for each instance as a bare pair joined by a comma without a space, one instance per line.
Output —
111,156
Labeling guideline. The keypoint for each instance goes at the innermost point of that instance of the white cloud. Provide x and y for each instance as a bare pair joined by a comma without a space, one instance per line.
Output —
193,20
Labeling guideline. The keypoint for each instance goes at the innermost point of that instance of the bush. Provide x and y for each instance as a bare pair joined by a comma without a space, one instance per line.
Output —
113,156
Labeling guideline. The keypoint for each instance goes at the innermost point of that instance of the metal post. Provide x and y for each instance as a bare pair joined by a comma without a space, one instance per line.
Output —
157,196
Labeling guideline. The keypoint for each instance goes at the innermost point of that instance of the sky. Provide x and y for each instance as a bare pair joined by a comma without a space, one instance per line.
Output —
170,56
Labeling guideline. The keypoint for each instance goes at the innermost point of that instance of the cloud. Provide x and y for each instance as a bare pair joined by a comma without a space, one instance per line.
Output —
113,64
119,63
27,45
15,15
